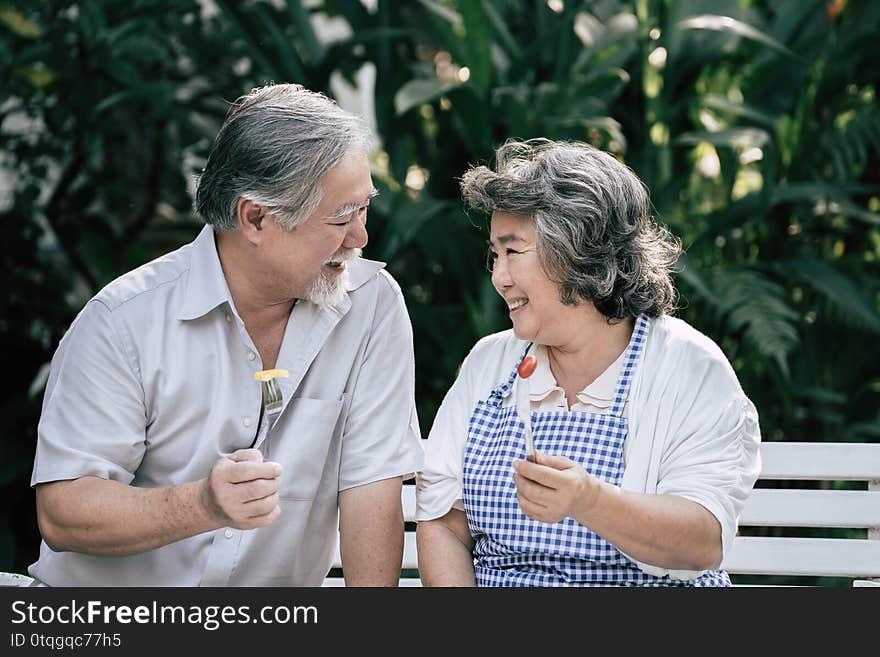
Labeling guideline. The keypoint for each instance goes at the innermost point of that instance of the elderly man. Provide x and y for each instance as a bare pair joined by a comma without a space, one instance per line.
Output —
156,463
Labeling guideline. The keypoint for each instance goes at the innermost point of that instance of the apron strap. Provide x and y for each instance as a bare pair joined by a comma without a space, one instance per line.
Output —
503,390
630,361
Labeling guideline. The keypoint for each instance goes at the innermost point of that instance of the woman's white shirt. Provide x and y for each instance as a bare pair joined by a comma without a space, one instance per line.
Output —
692,431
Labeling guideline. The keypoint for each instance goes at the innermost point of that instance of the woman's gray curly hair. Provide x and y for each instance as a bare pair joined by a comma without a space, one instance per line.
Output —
595,235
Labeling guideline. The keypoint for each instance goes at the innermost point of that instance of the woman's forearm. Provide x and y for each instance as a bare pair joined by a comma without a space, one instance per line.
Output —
661,530
445,557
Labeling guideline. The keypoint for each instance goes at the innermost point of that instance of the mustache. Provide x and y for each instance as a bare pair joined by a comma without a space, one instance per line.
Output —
344,254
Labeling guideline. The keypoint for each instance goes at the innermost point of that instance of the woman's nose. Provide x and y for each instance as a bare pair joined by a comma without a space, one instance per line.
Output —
501,274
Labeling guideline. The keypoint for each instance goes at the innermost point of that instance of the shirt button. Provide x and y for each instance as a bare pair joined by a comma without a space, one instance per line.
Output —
228,317
251,355
246,421
228,533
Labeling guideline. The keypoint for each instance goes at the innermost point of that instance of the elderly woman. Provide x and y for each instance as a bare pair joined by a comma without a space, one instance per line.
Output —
646,444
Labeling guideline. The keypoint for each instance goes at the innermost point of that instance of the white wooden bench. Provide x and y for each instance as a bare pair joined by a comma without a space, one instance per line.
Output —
812,474
808,500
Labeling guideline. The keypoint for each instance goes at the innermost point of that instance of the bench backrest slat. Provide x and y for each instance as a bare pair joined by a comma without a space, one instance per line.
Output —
830,557
811,508
820,461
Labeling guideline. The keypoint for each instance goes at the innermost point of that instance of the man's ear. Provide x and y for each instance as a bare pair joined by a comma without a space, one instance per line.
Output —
249,219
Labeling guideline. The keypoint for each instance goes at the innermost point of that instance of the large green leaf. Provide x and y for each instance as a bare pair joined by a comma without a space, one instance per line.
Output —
288,58
847,296
476,28
246,34
758,307
714,101
816,191
483,308
301,20
732,137
418,92
604,123
406,221
505,39
733,26
448,28
19,23
688,272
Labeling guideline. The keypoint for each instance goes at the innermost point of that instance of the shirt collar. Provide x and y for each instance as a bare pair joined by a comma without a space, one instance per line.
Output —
600,393
206,288
542,382
361,270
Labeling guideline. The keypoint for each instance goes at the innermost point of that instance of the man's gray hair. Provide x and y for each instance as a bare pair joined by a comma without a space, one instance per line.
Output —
273,148
591,213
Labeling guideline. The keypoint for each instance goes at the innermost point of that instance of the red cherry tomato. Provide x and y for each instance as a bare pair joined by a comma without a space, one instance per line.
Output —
527,366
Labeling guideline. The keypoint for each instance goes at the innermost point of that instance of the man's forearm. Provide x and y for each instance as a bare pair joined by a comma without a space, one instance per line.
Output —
102,517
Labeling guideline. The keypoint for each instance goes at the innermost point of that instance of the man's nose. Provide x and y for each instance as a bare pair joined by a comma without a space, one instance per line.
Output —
356,237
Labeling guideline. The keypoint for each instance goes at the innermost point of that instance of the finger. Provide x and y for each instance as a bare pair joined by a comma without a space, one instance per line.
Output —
250,470
263,520
532,510
256,489
261,507
528,469
547,470
269,517
251,454
554,461
537,473
529,490
537,511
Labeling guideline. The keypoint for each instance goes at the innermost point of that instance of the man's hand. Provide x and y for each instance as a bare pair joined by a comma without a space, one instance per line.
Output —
242,490
554,487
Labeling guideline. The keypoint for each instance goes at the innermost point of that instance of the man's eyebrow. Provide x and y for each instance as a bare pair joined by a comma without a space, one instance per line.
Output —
348,208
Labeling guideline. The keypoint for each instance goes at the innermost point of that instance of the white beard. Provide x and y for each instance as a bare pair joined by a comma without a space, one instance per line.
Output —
326,292
330,290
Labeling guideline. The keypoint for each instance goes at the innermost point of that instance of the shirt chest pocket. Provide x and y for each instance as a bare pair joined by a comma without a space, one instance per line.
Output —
302,440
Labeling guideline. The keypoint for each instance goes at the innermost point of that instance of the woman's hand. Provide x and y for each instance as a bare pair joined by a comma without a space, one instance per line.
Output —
554,487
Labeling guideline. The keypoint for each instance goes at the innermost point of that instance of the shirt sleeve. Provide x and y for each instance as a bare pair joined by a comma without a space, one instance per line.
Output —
712,456
717,465
93,421
439,483
382,437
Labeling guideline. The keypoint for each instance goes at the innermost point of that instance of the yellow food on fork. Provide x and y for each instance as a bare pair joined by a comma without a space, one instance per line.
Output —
268,375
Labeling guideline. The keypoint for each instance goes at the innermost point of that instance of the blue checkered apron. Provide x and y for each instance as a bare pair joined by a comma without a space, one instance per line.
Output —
511,549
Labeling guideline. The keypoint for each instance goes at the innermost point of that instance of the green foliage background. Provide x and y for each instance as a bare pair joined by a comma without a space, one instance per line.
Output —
754,123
